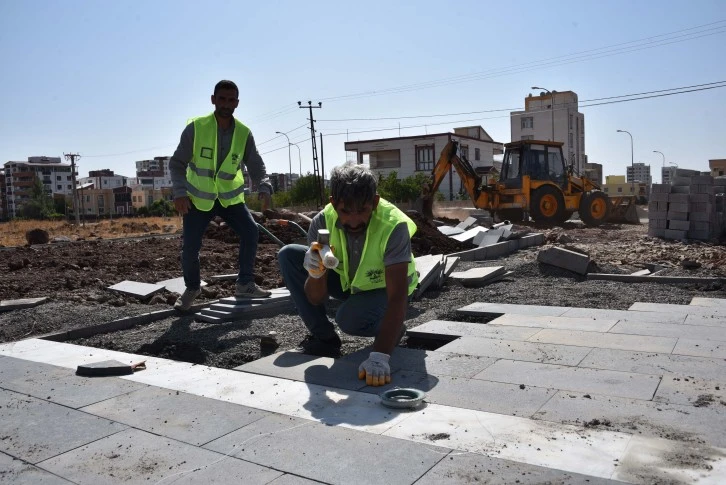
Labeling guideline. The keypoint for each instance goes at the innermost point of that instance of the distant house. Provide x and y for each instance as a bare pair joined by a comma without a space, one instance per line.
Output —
409,155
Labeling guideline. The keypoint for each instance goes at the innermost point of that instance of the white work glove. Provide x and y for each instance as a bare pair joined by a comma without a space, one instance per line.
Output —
313,262
376,370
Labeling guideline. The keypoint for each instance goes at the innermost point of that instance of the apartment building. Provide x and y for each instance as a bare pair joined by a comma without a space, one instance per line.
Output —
593,171
153,173
20,177
553,116
409,155
639,172
3,198
717,167
667,174
104,179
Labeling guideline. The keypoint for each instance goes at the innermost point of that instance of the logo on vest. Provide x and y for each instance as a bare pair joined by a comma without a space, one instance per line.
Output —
375,275
235,157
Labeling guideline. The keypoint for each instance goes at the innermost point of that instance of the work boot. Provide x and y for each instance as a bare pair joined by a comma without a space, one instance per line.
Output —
313,345
184,302
250,290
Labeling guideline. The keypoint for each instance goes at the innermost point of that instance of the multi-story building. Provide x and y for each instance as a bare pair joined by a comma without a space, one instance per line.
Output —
153,173
639,172
593,171
143,196
667,174
3,198
20,177
104,179
409,155
555,117
717,167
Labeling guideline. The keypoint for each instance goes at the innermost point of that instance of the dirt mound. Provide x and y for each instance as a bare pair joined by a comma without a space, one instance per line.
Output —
37,236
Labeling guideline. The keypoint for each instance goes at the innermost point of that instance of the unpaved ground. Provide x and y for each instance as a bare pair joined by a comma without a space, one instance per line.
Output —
76,275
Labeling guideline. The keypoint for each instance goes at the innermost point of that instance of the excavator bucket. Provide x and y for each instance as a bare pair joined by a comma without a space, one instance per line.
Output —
622,210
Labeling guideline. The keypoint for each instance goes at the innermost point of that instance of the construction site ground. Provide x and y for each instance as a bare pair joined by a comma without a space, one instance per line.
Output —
638,410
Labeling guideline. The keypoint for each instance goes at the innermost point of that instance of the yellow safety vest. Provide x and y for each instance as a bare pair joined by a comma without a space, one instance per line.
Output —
371,272
205,183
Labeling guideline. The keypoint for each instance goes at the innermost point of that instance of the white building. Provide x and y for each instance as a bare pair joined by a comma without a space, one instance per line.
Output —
153,173
541,118
409,155
20,177
667,174
104,179
639,172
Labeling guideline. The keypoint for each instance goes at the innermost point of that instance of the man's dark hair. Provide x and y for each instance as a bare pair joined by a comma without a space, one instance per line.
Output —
225,84
353,184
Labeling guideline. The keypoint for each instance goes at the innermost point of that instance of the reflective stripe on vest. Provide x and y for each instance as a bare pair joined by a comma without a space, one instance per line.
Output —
371,271
205,182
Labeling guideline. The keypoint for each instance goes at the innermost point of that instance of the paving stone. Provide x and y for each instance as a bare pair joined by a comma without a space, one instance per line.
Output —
646,418
438,329
458,468
288,479
17,471
709,302
436,363
700,348
512,349
625,315
681,309
467,223
139,457
654,363
469,234
33,429
699,332
479,275
567,323
564,258
296,366
7,305
137,289
611,383
706,320
178,415
176,285
481,308
278,295
284,443
449,230
60,385
688,390
605,340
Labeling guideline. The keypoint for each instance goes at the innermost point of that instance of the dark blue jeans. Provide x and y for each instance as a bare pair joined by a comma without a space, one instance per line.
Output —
360,314
195,223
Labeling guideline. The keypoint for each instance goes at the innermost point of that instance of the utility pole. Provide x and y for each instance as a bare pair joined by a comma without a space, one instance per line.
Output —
72,157
322,173
316,172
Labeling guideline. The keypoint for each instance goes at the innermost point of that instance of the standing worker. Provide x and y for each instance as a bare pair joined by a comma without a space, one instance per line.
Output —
207,180
375,276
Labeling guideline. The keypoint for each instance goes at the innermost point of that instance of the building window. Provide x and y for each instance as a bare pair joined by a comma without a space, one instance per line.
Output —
570,139
382,159
570,125
425,158
605,189
59,187
465,152
477,154
527,137
527,122
57,177
620,189
69,187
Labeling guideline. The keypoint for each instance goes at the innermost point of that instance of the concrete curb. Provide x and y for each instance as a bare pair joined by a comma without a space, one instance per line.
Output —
625,278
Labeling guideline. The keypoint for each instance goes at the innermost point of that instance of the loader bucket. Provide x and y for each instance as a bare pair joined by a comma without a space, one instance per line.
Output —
622,210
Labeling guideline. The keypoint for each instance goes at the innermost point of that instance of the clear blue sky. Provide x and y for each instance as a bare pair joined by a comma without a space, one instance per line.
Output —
116,81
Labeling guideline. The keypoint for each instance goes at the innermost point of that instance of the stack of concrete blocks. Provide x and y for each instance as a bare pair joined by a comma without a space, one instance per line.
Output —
691,208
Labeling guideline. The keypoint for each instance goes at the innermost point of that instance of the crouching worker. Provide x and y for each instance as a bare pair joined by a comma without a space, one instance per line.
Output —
374,277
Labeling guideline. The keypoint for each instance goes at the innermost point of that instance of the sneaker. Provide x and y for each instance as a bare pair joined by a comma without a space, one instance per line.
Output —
250,290
312,345
184,302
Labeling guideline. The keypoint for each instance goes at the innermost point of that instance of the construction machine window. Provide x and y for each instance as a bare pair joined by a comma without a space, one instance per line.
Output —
510,167
425,158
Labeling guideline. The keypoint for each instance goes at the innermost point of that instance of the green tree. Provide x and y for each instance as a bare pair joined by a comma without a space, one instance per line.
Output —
162,208
405,190
40,205
305,191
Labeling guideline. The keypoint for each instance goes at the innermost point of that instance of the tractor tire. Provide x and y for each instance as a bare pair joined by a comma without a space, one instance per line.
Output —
547,206
594,208
511,215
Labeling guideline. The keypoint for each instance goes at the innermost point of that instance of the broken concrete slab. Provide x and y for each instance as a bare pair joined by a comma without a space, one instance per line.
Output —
565,259
469,235
176,285
137,289
467,223
449,230
642,272
492,236
7,305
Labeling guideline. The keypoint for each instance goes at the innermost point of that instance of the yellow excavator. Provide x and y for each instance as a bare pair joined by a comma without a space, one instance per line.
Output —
534,182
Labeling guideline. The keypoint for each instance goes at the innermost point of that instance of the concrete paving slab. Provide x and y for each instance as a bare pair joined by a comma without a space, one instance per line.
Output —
512,349
646,418
33,429
611,383
480,308
654,363
17,471
7,305
137,289
297,366
565,259
468,235
288,479
565,323
446,329
278,295
709,302
478,275
458,468
700,348
177,415
706,320
139,457
450,230
605,340
176,285
681,309
60,385
692,391
625,315
284,443
698,332
467,223
488,238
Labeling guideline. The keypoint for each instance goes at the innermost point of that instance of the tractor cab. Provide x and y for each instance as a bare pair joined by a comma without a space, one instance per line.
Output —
540,160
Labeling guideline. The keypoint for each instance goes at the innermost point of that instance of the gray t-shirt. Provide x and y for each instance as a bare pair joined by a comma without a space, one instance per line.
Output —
398,249
183,155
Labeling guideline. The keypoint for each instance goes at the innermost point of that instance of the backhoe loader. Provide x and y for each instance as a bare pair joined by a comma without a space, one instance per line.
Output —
535,183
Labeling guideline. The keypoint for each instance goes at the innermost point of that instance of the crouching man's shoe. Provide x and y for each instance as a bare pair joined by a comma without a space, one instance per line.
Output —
312,345
184,302
250,290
